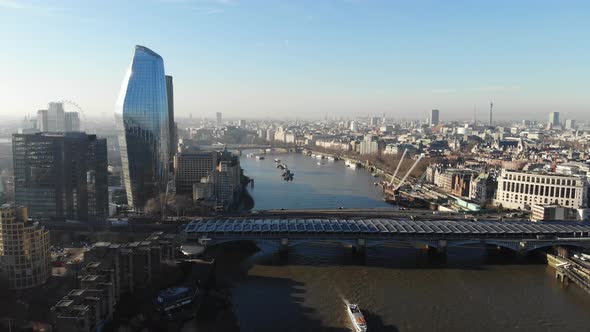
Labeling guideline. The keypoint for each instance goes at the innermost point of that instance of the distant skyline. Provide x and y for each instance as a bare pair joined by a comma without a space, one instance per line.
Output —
305,59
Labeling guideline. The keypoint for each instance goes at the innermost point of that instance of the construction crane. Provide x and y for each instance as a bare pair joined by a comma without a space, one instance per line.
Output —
408,172
397,168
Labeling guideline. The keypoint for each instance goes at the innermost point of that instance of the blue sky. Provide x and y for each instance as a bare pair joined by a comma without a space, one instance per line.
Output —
273,58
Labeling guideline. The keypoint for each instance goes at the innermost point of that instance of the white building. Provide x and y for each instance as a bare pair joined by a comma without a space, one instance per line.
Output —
521,190
369,145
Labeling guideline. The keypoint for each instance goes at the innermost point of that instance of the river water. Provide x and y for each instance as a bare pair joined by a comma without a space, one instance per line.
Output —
399,288
329,186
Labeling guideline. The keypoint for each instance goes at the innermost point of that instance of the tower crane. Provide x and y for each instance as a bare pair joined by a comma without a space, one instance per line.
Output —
397,168
408,172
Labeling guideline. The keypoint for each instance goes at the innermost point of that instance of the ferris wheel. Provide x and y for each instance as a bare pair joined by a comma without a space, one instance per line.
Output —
71,106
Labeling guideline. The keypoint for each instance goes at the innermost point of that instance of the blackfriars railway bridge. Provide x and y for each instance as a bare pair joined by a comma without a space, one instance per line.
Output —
361,233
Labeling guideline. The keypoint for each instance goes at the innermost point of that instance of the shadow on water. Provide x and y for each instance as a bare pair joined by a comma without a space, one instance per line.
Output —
280,307
462,258
376,324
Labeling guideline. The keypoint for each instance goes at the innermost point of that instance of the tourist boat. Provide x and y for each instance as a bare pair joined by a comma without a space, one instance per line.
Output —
357,318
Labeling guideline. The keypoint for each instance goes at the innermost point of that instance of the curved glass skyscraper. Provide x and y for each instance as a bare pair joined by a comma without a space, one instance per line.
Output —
142,119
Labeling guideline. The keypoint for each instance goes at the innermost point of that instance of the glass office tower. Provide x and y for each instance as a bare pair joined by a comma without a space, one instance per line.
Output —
61,175
141,114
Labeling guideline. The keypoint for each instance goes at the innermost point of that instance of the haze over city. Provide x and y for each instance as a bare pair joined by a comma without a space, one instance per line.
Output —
286,165
306,59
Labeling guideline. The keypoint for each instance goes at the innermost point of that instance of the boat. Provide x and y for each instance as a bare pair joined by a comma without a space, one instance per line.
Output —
330,158
277,160
260,157
357,318
320,163
351,164
250,155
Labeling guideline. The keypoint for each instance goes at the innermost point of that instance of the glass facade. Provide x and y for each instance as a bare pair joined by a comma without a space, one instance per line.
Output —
142,119
61,176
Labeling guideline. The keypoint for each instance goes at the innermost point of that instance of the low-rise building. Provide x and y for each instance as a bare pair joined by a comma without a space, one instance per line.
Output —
110,271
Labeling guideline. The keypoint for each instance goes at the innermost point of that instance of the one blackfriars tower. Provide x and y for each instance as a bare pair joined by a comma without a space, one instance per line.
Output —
143,124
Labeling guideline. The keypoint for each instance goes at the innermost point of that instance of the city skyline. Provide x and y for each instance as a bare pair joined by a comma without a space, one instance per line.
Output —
306,58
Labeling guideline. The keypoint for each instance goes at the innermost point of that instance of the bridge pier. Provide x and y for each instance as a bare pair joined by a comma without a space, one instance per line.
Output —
360,248
442,247
562,277
284,246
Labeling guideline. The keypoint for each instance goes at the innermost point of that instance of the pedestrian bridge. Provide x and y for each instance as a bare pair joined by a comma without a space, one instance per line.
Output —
519,236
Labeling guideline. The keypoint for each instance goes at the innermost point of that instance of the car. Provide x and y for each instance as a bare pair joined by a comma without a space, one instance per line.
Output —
576,256
583,258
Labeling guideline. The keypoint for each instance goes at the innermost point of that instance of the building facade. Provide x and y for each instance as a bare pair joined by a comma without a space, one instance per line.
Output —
142,118
171,123
24,249
434,118
192,166
369,145
521,190
61,176
554,121
71,121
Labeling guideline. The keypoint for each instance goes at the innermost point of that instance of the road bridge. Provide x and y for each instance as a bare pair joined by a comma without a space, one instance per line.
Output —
441,234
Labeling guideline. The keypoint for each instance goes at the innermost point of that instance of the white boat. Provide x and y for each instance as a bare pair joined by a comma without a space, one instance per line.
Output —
330,158
320,163
350,164
277,160
259,157
357,318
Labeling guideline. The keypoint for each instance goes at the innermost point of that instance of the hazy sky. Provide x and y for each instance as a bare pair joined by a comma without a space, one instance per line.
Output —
273,58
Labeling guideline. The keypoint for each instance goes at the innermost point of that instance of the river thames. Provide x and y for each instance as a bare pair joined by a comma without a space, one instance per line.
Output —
398,288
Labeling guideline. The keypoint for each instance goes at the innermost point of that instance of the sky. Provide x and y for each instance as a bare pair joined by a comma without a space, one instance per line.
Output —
305,58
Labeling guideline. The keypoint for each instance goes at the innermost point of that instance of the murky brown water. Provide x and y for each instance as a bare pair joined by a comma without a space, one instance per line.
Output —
399,289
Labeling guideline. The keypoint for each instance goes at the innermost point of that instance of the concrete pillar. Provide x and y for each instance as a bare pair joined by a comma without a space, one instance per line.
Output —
361,246
442,247
284,246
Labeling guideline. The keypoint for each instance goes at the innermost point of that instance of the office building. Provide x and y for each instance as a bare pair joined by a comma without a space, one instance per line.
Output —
554,120
142,118
55,117
434,118
24,249
570,124
42,120
61,175
71,121
218,118
55,120
171,123
190,167
521,190
242,123
227,178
